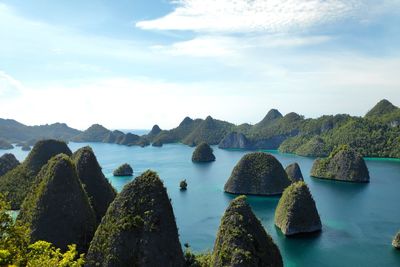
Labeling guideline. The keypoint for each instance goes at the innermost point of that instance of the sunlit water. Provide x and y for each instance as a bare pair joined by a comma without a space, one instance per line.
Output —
359,220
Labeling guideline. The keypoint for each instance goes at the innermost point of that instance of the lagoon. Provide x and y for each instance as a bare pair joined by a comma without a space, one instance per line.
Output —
359,220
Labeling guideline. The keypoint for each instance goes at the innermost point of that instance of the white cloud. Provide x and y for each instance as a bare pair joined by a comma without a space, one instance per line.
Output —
9,87
251,15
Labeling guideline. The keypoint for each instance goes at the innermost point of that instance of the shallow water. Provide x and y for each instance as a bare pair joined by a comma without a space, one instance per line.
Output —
359,220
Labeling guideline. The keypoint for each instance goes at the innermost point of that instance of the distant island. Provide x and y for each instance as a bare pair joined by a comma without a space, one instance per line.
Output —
377,134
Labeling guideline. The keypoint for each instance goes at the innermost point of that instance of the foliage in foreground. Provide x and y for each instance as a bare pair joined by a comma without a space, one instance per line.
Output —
15,249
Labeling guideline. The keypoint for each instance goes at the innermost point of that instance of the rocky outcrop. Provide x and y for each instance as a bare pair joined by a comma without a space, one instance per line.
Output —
17,182
242,240
123,170
7,163
5,145
257,173
155,130
343,164
138,229
234,140
57,208
157,143
294,172
296,211
25,148
396,241
203,153
97,187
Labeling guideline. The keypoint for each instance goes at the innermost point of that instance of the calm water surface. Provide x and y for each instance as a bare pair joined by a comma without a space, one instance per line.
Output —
359,220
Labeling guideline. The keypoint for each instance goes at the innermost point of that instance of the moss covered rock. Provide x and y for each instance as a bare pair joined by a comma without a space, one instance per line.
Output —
99,190
203,153
123,170
17,182
138,229
57,209
7,163
396,241
242,240
257,173
294,172
343,164
296,211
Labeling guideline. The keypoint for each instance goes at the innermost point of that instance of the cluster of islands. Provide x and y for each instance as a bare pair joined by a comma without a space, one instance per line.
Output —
69,212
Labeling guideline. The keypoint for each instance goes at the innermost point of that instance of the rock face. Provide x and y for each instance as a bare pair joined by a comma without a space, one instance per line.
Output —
343,164
57,208
157,143
7,163
97,187
155,130
123,170
234,140
25,148
296,211
203,153
242,240
138,229
5,145
396,241
257,173
294,172
17,182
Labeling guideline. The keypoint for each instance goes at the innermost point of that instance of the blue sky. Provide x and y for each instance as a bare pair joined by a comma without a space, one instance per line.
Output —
130,64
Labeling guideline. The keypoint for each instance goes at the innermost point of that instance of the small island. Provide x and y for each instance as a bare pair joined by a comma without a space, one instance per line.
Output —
343,164
5,145
183,185
203,153
296,211
396,241
257,173
123,170
294,172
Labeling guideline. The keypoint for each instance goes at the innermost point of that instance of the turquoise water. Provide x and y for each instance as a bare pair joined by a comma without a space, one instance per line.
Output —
359,220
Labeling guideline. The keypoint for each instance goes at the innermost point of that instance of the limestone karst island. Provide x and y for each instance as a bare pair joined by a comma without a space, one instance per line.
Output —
196,133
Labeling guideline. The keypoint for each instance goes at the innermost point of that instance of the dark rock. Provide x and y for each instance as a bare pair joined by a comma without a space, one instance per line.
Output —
130,140
242,240
25,148
7,163
203,153
123,170
157,143
97,187
234,140
294,172
257,173
138,229
296,211
343,164
155,130
17,182
183,185
57,208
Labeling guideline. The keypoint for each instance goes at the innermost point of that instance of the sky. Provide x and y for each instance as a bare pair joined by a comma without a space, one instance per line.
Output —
131,64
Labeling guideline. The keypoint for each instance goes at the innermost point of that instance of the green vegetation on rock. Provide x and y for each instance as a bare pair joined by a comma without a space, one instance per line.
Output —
203,153
257,173
294,172
16,250
7,163
343,164
296,211
97,187
16,183
123,170
242,240
57,208
396,241
138,229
